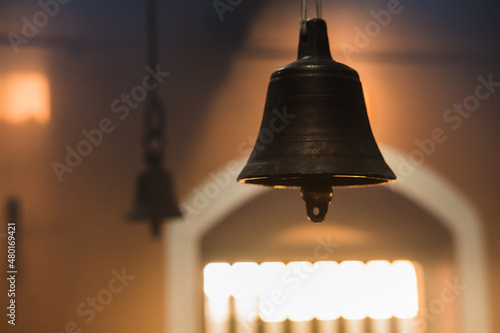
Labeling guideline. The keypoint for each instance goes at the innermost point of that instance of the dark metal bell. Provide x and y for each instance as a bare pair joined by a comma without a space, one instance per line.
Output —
154,198
315,132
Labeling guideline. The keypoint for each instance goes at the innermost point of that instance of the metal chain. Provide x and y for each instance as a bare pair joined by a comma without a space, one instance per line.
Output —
155,113
154,133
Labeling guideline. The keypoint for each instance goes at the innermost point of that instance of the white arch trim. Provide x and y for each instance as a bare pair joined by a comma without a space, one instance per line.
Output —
423,186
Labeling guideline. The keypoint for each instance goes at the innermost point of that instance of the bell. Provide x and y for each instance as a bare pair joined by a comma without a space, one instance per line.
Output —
154,200
315,132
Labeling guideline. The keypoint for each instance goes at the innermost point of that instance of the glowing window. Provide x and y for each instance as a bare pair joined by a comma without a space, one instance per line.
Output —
300,291
24,96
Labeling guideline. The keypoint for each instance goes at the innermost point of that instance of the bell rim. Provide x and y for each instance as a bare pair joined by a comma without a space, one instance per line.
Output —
335,180
142,216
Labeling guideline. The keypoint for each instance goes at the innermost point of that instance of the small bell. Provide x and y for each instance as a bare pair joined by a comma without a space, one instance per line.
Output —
154,199
315,132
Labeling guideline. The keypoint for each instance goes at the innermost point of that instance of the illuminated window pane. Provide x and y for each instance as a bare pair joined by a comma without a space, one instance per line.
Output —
299,303
405,289
272,297
217,280
246,288
301,291
327,291
246,280
380,303
353,295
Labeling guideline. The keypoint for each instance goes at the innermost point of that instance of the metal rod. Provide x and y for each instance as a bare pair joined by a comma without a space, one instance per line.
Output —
303,13
303,17
152,32
319,8
154,113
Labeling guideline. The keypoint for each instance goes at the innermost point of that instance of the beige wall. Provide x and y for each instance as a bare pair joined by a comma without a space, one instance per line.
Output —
73,233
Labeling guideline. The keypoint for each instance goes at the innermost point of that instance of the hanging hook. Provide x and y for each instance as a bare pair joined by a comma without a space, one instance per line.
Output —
303,14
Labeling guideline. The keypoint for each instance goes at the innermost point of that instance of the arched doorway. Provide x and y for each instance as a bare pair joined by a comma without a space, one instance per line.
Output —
424,187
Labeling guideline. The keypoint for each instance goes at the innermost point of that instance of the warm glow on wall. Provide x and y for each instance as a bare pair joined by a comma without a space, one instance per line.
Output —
301,291
24,96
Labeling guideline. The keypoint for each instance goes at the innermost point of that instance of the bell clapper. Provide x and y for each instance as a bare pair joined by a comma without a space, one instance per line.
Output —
155,226
317,198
